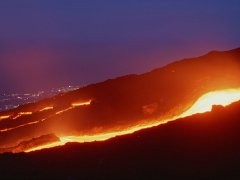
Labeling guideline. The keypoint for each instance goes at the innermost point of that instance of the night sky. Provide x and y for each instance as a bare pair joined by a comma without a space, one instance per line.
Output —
53,43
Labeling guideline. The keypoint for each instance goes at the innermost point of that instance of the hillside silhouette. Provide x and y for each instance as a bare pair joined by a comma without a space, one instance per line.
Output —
203,146
125,101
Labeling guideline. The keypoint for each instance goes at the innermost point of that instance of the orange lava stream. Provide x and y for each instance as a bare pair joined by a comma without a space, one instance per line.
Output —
4,117
17,116
35,122
22,125
203,104
76,104
25,113
64,110
21,114
46,108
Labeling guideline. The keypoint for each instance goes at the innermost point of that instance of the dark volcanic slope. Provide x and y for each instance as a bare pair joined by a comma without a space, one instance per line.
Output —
204,146
123,102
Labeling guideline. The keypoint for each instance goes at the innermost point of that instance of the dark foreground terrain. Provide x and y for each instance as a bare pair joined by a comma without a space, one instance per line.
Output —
204,146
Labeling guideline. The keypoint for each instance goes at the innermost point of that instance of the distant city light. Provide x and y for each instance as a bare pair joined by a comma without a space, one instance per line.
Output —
11,101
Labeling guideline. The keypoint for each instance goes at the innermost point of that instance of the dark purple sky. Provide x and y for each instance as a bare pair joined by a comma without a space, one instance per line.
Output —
51,43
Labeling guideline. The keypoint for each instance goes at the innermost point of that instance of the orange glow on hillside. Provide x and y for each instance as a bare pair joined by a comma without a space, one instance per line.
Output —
203,104
39,121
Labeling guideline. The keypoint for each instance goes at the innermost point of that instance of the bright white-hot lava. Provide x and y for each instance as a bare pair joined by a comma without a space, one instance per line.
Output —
203,104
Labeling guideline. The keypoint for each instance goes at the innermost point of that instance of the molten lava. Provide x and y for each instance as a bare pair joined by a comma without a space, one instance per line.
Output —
25,113
4,117
76,104
46,108
203,104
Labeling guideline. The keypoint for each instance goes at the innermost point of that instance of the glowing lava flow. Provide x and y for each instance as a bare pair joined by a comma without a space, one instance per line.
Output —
76,104
22,125
4,117
21,114
46,108
25,113
64,110
203,104
44,119
16,116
